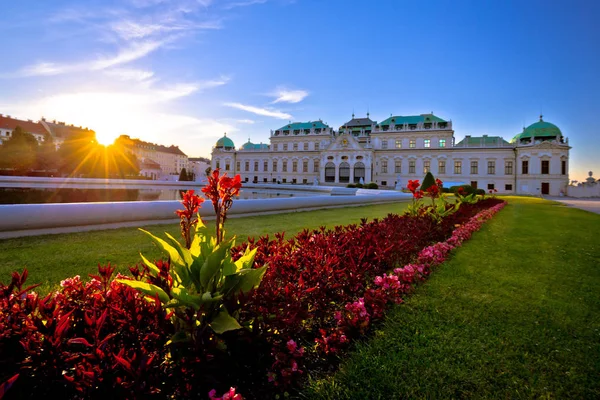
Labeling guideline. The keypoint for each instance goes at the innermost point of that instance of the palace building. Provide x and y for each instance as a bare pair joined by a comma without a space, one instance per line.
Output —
399,149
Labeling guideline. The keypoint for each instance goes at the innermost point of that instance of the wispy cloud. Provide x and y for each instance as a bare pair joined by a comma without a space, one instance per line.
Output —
129,74
267,112
283,95
245,121
246,3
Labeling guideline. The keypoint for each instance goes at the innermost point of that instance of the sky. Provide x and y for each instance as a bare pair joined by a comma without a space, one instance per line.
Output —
184,72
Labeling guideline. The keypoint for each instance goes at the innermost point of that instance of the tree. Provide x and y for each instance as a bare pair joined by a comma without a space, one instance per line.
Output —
208,171
19,152
47,157
183,176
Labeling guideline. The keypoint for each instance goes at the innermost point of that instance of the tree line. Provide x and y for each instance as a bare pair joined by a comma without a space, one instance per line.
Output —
80,156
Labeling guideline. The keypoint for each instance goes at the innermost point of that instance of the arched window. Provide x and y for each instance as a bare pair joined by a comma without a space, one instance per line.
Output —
344,172
330,172
359,172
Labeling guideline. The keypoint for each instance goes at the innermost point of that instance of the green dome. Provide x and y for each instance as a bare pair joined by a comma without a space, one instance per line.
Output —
540,129
516,138
248,145
225,142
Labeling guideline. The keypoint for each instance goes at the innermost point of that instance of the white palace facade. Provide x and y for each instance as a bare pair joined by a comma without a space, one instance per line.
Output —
399,149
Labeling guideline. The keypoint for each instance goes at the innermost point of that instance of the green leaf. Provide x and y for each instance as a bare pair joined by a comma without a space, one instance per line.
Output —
224,322
183,252
146,288
150,265
251,278
166,247
245,261
186,299
213,264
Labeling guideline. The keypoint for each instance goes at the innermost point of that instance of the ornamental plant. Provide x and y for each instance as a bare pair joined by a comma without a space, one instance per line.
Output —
200,277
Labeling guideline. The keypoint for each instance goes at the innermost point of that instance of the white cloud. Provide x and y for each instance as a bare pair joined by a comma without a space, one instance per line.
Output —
260,111
245,121
243,4
129,74
132,53
283,95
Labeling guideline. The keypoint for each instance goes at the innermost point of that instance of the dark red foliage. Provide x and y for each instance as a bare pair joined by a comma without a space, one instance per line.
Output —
102,339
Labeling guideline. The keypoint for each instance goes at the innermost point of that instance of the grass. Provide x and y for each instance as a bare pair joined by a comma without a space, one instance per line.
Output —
52,258
515,313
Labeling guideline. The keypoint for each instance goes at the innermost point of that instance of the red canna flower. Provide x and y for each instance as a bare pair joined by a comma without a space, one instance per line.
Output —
413,185
220,191
189,215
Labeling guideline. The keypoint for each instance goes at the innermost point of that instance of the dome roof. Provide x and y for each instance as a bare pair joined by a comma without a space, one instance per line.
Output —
248,145
225,142
540,129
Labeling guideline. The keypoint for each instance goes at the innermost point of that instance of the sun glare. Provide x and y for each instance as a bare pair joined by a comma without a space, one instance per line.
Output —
105,138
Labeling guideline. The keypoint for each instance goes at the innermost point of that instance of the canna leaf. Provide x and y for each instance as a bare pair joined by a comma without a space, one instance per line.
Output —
224,322
146,288
166,247
150,265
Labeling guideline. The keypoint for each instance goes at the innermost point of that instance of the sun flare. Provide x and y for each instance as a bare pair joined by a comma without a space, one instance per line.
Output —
106,138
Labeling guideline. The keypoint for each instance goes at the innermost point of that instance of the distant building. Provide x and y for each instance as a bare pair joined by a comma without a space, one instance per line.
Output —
170,159
198,166
62,132
399,149
8,125
59,131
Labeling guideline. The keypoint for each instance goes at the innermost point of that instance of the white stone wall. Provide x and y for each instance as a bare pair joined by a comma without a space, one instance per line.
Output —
584,190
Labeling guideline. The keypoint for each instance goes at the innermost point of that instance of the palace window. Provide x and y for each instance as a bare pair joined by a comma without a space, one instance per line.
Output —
458,167
508,187
247,166
305,146
295,146
398,144
255,166
442,142
563,165
266,166
398,167
316,166
284,166
218,165
237,166
412,143
525,167
294,166
441,167
384,144
491,167
304,166
545,167
508,168
227,166
316,146
427,143
274,166
285,147
384,166
491,186
426,166
474,167
411,167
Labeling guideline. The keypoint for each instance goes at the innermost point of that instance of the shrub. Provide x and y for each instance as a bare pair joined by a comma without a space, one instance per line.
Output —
359,185
480,192
351,185
467,189
371,185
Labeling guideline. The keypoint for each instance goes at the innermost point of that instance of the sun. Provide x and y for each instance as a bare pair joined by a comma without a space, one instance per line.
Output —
105,137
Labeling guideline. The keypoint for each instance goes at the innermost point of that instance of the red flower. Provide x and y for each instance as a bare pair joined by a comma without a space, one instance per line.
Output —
220,191
433,191
189,215
418,194
413,185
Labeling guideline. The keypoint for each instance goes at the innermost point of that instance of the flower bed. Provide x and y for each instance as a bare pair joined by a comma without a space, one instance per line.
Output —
321,290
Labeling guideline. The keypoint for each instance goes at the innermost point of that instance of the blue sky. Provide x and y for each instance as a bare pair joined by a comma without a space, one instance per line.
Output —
185,71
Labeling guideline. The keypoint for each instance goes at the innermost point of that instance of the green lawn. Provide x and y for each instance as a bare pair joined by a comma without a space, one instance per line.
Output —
515,313
52,258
